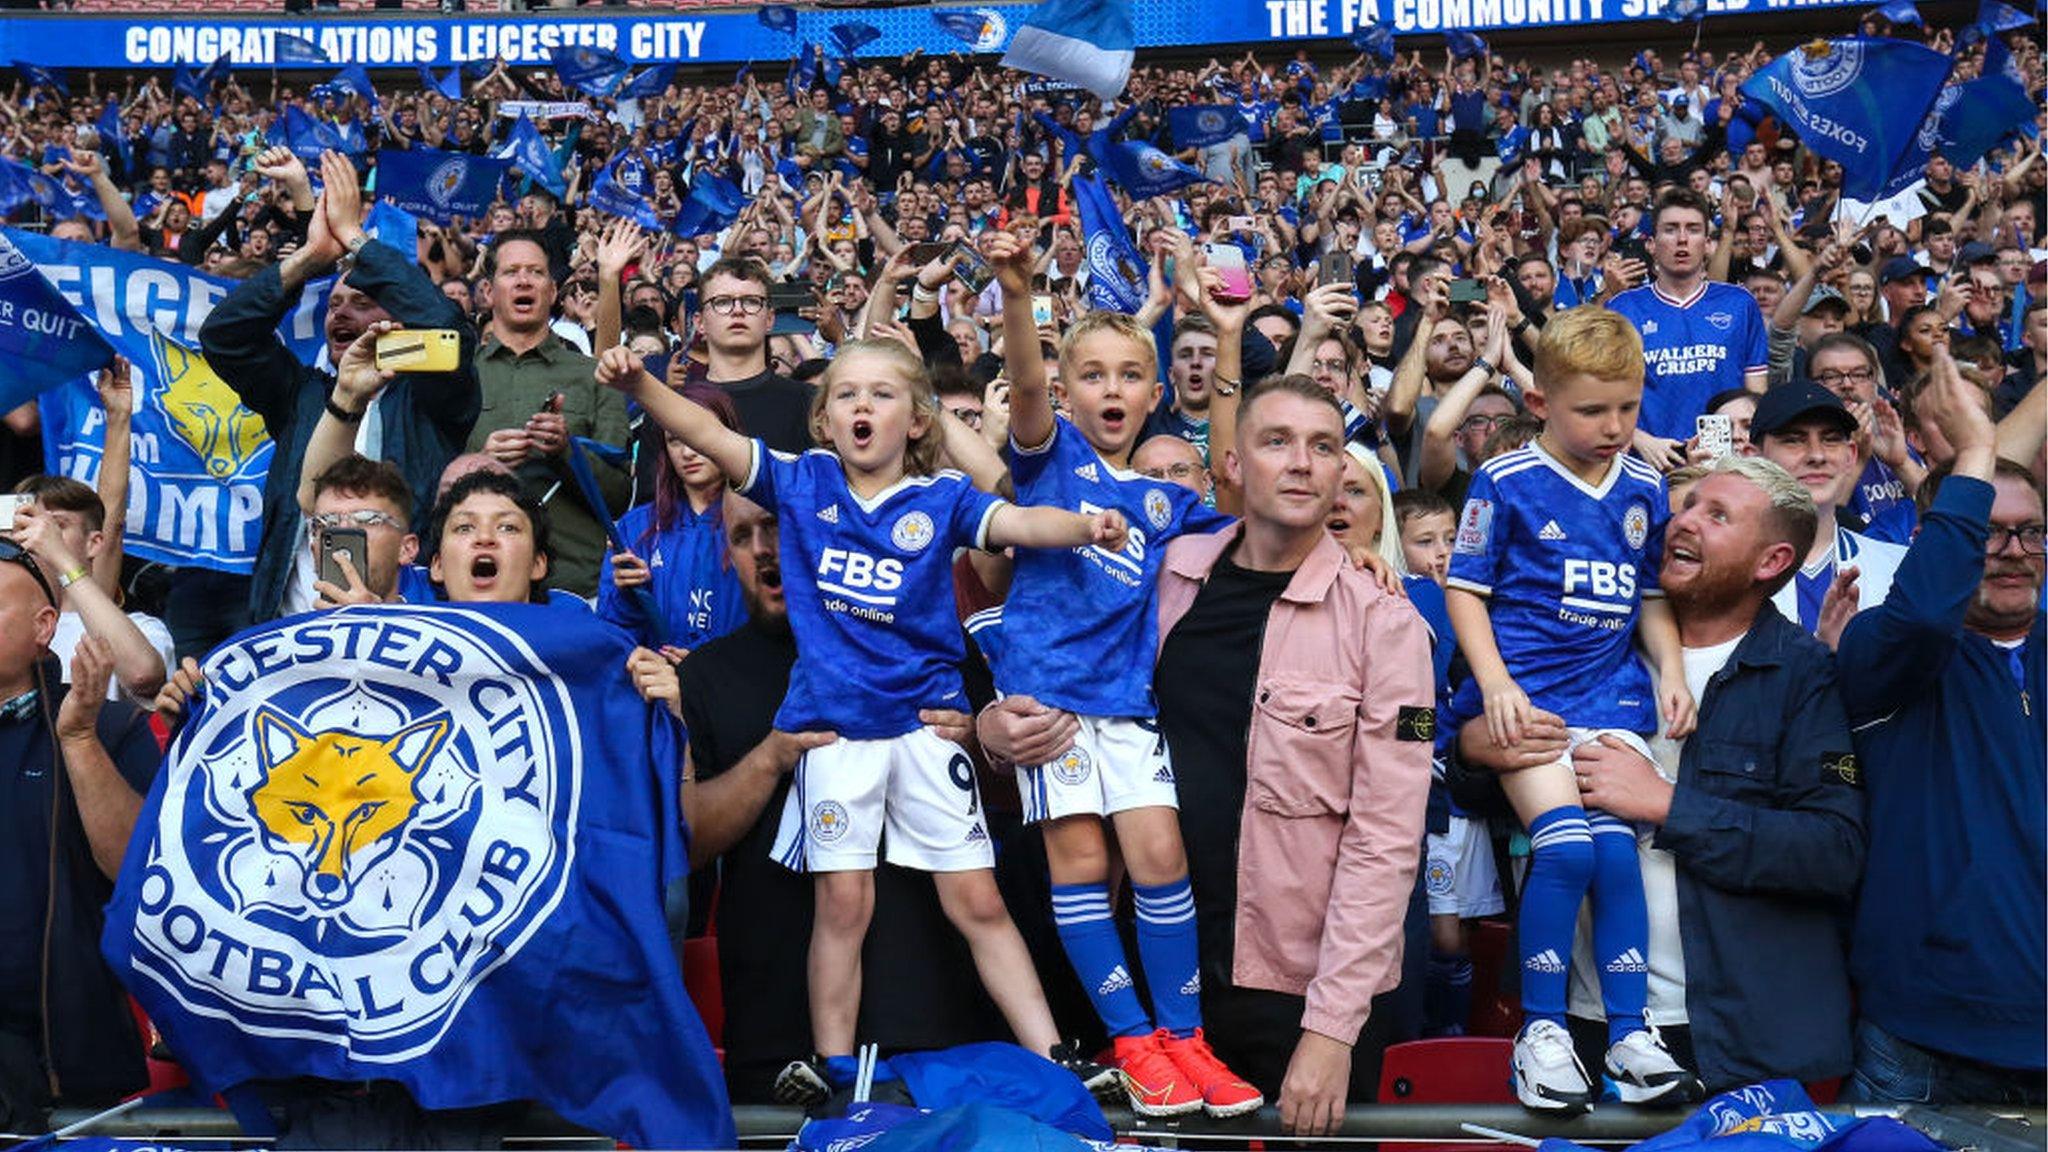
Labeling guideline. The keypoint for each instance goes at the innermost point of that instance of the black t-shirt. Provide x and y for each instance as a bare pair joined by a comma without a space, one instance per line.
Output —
20,457
774,408
920,988
1208,669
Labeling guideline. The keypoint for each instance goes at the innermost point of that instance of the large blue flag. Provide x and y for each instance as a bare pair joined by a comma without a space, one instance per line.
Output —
778,18
199,84
1968,119
439,185
805,73
592,71
353,80
41,77
1116,272
970,28
649,84
530,154
21,184
307,137
713,203
1774,1116
1144,171
853,36
1858,102
1086,42
113,135
1201,125
285,48
425,844
449,85
607,194
197,498
1375,40
1464,45
43,339
1901,12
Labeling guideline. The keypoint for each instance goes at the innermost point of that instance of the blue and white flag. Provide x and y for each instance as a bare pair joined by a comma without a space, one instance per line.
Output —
425,844
1685,11
196,496
1968,119
1375,40
591,71
978,30
286,48
713,203
1201,125
113,136
38,76
307,137
805,73
609,195
21,184
1464,45
439,185
853,36
1774,1116
198,84
649,84
1084,42
1996,16
449,85
778,18
1859,102
43,339
353,80
1144,171
1117,273
1900,12
530,154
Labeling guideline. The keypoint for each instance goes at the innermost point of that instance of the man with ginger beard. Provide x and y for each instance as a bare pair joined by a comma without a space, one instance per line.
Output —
419,422
538,393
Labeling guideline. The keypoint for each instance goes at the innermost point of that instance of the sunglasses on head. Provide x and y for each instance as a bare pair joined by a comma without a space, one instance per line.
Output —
15,553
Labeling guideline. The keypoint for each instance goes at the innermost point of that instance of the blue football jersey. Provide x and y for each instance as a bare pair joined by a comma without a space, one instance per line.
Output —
1695,348
870,590
1083,623
1564,567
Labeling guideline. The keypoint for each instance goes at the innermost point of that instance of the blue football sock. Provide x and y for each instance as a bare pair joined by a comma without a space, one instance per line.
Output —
1173,959
1621,925
1560,867
1088,932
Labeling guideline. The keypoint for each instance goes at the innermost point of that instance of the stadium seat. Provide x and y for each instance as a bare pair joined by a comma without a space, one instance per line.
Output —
164,1074
1447,1070
707,990
1494,1011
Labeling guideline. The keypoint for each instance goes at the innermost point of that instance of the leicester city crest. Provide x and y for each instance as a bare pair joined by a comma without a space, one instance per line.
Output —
1210,121
912,532
1158,509
994,30
446,180
1635,524
370,813
1825,69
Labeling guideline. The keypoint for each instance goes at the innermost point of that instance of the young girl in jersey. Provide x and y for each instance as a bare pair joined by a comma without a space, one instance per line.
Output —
677,549
868,528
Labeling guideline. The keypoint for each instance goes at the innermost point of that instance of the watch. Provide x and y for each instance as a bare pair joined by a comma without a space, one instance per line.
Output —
1224,386
342,414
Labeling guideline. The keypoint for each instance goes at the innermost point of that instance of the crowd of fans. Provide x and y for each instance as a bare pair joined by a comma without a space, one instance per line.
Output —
1615,277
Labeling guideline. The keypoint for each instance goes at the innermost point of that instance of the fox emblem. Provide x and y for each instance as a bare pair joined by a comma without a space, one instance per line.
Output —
335,801
204,412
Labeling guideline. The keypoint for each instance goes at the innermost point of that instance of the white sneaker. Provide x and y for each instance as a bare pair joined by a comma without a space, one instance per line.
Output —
1644,1072
1548,1075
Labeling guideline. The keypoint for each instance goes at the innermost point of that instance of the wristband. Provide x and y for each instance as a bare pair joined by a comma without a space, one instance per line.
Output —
67,579
1482,363
1520,326
1224,385
342,414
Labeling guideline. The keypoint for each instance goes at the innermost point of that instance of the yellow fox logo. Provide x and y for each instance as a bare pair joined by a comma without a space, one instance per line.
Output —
204,411
336,801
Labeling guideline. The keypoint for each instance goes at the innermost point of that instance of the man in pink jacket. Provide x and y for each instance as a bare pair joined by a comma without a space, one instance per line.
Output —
1296,699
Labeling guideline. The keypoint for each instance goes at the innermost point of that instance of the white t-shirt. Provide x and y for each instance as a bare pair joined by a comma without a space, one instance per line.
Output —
71,628
1660,881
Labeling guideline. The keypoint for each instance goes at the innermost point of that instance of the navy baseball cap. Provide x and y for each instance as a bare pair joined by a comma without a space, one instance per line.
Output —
1899,268
1797,400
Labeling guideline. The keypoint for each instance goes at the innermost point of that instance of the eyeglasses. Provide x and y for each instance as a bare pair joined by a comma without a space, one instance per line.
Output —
1336,366
360,518
744,305
1178,473
2033,539
1832,377
1484,423
968,416
10,551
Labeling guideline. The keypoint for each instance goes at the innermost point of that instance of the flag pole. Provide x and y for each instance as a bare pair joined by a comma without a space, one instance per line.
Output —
95,1118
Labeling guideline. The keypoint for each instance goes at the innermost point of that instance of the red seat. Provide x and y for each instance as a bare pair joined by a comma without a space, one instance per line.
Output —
1493,1012
1447,1070
707,990
164,1075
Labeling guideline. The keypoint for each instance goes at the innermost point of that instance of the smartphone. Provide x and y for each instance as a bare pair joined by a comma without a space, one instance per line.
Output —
972,269
419,350
1467,292
1716,435
1241,223
790,297
8,505
1228,261
1041,310
925,253
337,543
1336,268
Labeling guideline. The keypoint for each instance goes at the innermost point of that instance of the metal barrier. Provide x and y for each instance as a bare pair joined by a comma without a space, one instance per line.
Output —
1993,1129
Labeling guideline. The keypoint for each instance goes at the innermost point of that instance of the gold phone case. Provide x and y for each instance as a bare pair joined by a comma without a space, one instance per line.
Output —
419,350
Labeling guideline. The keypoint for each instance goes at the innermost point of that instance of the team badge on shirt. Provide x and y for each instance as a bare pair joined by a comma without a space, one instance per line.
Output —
1071,768
829,822
1721,320
1474,527
912,532
1158,509
1636,524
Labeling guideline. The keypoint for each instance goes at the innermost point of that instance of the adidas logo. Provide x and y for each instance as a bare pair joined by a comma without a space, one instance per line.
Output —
829,513
1193,987
1545,961
1629,961
975,834
1551,532
1164,775
1117,981
1087,472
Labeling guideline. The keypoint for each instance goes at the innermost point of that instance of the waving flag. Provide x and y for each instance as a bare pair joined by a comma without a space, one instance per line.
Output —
532,157
852,36
41,77
778,18
650,84
1996,17
1144,171
43,339
286,48
449,85
1116,272
805,73
1201,125
439,185
113,137
1858,102
1968,119
592,71
1684,11
1901,12
21,184
1375,40
1464,45
307,137
491,930
199,85
608,194
966,27
713,203
1084,42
